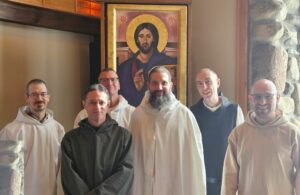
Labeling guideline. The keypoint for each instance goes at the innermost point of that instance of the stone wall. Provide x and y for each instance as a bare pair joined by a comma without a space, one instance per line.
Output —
274,29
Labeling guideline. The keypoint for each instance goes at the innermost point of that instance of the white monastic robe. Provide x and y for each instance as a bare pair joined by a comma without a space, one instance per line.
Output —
41,151
168,154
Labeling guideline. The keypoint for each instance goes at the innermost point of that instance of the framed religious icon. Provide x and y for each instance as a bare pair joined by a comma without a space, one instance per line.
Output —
140,37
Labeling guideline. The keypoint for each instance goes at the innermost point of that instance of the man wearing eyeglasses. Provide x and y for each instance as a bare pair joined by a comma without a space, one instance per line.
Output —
216,117
263,153
119,109
41,134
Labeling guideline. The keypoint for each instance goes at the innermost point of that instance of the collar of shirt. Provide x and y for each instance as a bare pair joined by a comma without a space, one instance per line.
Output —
213,109
33,116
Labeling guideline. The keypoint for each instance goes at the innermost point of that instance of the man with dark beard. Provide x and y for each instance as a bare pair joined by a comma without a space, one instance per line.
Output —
41,135
159,98
168,154
133,72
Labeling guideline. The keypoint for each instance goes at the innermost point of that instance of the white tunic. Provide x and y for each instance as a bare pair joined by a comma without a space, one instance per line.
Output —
41,150
168,153
120,113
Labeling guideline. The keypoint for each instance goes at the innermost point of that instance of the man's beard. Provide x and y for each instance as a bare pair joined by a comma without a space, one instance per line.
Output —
145,47
158,102
39,106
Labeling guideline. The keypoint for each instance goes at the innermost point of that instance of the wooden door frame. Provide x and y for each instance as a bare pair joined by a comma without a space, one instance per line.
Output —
242,55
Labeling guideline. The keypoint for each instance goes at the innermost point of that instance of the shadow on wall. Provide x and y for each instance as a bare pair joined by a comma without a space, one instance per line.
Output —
60,58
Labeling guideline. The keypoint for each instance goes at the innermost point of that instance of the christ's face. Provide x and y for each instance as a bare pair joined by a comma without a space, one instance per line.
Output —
145,41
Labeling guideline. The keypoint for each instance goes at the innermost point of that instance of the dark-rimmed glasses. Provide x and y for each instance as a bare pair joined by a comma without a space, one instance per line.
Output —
35,95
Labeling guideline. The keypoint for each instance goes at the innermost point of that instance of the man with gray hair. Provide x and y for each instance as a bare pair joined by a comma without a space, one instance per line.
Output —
168,154
262,157
119,109
97,156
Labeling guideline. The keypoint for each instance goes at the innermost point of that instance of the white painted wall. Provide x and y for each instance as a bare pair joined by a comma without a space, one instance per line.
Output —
60,58
214,42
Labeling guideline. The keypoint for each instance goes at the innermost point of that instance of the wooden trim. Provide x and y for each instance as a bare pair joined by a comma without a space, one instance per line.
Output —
189,85
242,55
159,2
103,36
42,17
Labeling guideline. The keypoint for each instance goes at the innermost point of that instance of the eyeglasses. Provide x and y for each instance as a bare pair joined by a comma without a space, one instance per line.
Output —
259,97
35,95
106,80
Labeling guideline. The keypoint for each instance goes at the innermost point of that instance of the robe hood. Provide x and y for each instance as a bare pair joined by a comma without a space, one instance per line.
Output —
22,116
123,103
169,106
105,126
279,120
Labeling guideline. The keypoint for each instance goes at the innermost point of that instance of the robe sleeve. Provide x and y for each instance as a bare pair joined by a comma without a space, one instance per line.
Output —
240,116
121,180
4,134
231,168
199,145
72,183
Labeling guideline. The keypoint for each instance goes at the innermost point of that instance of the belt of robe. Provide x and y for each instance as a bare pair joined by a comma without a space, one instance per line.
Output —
213,180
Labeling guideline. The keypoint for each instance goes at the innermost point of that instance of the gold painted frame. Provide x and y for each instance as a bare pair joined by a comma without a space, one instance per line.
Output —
180,12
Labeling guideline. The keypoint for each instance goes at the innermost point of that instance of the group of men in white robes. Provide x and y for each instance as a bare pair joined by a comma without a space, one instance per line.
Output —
157,148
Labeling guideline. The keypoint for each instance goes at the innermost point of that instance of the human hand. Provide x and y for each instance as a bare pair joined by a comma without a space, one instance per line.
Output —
139,80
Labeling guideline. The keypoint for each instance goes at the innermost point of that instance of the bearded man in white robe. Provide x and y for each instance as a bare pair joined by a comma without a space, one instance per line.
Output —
41,135
168,153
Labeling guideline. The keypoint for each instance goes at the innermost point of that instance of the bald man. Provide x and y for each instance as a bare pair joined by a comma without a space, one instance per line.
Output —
262,157
216,117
